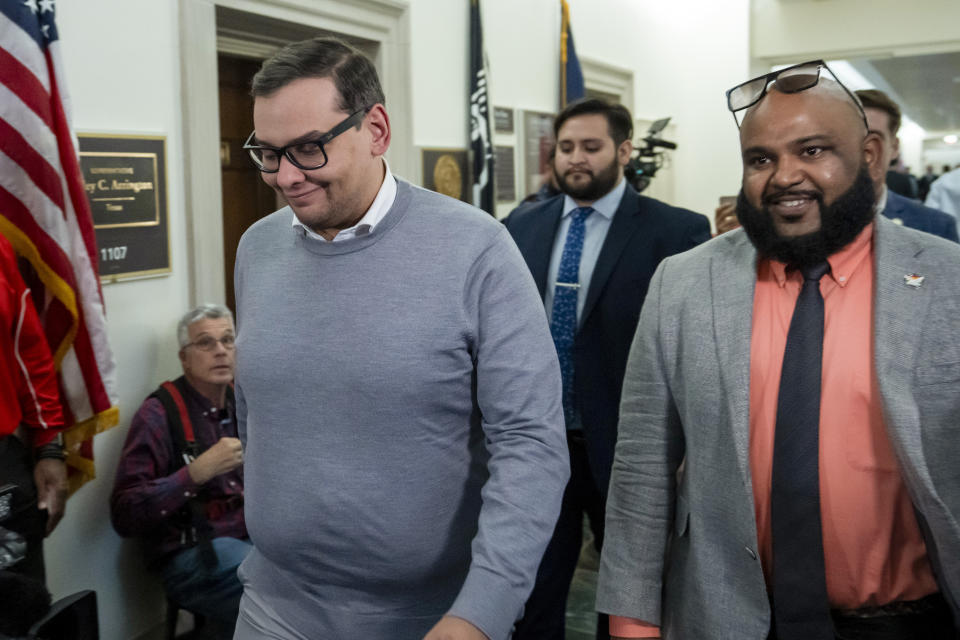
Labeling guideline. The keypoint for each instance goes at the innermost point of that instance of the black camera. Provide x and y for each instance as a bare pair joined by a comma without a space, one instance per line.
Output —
13,548
647,158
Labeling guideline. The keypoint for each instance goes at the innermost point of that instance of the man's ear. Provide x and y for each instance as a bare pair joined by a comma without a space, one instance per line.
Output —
377,123
624,151
873,156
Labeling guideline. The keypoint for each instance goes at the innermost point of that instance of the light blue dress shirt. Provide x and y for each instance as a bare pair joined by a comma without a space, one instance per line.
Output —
595,232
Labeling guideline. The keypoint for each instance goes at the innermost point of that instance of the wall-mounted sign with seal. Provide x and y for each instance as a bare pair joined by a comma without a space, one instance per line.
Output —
125,181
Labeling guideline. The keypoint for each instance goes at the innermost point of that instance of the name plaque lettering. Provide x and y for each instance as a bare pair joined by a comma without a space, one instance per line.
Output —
503,119
125,181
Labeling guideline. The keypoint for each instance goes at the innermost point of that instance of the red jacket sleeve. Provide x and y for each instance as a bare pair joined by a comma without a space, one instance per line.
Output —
33,397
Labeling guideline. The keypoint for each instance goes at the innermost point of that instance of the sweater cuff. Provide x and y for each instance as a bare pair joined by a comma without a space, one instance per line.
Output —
632,628
488,602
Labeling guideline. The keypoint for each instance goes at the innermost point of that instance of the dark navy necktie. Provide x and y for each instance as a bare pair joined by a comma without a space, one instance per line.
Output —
801,608
563,319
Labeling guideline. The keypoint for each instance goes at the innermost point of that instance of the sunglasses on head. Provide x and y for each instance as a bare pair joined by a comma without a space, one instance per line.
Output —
794,79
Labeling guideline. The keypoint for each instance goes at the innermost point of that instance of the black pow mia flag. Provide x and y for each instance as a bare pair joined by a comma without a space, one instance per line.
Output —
481,145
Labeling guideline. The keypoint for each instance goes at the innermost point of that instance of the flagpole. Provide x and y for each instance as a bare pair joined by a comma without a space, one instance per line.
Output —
481,141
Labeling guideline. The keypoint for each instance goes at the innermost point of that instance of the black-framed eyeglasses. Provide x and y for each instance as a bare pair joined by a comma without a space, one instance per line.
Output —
795,79
209,343
305,155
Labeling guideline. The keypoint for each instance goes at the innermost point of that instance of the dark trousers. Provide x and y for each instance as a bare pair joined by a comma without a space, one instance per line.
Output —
544,616
931,620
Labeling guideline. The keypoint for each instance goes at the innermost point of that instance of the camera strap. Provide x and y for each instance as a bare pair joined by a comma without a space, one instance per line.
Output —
195,528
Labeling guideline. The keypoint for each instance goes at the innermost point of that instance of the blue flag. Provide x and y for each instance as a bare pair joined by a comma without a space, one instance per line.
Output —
571,76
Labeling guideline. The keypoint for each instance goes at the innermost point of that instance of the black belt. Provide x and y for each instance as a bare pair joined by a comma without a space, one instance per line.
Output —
928,618
933,602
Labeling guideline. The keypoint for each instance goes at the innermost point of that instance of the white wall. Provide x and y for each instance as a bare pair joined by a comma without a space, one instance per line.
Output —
939,157
522,52
521,43
911,150
803,29
685,55
123,74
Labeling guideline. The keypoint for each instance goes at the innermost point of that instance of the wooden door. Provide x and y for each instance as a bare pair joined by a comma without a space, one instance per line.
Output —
246,198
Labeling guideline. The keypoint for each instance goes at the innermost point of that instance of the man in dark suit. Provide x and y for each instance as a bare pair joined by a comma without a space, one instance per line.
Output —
592,252
883,117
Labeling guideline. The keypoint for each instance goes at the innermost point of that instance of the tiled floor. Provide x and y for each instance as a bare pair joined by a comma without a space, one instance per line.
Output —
581,614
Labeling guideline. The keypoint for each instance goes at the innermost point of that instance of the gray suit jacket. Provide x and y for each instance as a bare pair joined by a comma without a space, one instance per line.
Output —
682,553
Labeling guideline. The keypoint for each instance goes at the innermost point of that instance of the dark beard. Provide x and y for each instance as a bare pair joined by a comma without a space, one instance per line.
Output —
600,184
840,223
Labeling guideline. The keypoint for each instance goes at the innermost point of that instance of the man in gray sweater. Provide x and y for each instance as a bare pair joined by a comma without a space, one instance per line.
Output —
398,392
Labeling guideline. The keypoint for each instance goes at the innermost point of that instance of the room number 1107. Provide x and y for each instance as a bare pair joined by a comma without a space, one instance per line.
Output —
113,253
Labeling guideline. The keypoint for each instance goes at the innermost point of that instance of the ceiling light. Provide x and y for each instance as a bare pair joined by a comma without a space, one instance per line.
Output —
951,139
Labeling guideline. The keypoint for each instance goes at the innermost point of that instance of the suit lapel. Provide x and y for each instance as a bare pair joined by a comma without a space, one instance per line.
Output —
540,246
898,311
627,219
733,276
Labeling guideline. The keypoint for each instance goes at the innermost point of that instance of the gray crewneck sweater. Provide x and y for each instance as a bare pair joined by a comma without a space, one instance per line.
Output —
399,400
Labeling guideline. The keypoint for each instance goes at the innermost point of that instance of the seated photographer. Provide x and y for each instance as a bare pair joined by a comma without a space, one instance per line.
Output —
33,476
179,484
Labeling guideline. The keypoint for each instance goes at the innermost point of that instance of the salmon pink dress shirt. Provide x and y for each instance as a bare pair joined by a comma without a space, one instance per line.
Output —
873,549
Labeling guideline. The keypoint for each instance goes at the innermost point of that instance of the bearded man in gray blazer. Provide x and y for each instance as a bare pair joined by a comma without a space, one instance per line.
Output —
787,460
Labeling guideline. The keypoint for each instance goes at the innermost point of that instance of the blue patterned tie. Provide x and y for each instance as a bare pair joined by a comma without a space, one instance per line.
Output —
563,321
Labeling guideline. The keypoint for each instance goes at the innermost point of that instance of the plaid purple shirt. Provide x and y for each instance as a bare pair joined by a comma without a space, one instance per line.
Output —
152,486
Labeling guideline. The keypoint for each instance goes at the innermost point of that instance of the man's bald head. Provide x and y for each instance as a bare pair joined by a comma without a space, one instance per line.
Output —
807,162
827,90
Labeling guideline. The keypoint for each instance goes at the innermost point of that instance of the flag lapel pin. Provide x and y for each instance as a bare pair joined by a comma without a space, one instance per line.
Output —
913,280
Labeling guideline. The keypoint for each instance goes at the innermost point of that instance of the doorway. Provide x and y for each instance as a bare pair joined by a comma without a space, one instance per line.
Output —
246,197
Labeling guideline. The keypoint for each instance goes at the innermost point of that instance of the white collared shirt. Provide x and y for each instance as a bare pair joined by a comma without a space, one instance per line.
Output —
882,201
596,227
945,193
378,209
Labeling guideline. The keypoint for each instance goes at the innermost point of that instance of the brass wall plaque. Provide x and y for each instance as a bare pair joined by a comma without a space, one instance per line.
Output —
445,171
125,181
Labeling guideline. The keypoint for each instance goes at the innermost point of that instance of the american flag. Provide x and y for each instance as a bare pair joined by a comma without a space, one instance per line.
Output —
571,75
45,215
